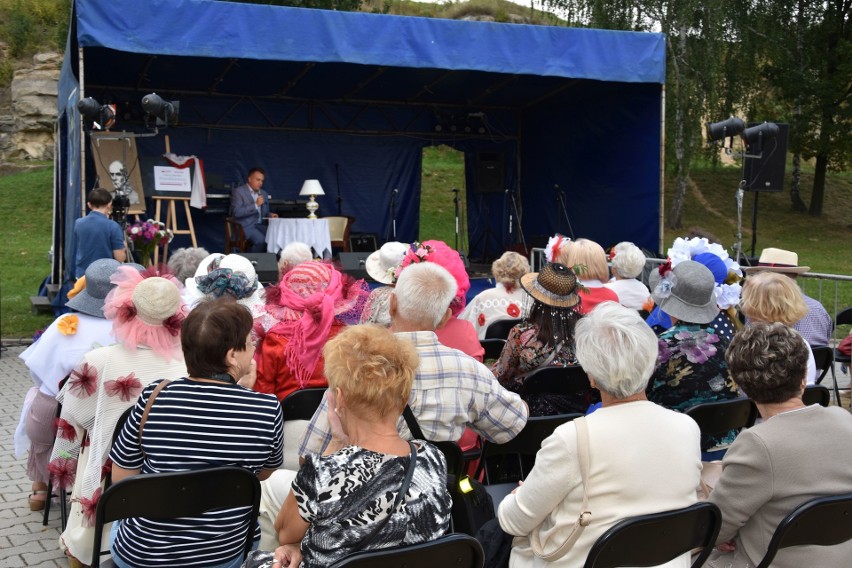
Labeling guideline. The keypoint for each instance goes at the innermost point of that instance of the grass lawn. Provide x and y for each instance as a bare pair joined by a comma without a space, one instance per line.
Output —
822,244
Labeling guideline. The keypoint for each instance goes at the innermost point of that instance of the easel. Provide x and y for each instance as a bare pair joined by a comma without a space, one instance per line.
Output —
171,218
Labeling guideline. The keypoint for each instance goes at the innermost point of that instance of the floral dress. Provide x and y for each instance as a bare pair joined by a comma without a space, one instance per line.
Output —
691,369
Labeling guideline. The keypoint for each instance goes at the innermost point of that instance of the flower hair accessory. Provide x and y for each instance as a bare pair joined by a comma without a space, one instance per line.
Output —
551,251
224,281
417,253
667,282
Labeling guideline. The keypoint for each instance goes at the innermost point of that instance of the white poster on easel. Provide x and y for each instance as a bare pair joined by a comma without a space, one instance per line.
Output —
167,178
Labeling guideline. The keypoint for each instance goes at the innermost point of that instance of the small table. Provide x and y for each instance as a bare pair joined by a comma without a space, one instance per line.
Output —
312,232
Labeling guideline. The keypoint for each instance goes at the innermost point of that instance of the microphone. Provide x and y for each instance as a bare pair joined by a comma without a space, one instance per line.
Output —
395,191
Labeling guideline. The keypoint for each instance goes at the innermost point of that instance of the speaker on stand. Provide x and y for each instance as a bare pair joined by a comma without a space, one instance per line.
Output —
489,180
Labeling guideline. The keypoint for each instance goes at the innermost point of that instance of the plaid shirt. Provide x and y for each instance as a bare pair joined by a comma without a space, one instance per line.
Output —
451,392
816,326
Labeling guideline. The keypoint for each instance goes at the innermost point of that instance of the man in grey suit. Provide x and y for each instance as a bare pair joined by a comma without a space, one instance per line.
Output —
249,208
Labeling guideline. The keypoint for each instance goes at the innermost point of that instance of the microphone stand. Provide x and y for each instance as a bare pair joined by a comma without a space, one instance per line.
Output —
456,202
339,195
517,217
560,197
393,215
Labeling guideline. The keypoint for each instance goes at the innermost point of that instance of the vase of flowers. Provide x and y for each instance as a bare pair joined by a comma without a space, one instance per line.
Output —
146,236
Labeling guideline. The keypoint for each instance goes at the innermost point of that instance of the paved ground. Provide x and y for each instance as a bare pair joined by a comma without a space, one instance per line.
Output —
23,539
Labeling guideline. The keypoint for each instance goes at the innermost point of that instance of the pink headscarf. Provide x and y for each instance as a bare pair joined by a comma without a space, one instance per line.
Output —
440,253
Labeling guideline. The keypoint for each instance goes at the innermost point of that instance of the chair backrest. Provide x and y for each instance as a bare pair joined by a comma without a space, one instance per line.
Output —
553,379
527,442
301,404
119,425
824,359
816,394
824,521
338,230
493,347
181,494
651,540
235,237
500,329
844,317
723,415
455,550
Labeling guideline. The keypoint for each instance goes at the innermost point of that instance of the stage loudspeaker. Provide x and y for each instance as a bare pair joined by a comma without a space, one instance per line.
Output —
265,265
354,264
489,172
767,172
362,242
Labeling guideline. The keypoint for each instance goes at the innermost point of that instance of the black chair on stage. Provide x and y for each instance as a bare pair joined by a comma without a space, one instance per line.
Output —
651,540
824,521
181,494
455,550
500,329
816,394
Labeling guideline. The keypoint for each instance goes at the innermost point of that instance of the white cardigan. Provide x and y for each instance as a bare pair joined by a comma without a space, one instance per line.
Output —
643,459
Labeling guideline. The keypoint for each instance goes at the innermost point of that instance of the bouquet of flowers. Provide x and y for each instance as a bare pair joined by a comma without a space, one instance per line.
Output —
146,236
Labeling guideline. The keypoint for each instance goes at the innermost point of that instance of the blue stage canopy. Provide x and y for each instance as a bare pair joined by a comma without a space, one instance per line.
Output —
351,99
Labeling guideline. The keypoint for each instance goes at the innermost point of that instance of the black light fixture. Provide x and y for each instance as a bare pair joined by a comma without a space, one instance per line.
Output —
755,136
102,117
166,112
725,129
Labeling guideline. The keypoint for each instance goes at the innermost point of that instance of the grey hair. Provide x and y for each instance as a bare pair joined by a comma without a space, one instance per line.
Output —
424,292
628,260
294,253
184,262
617,349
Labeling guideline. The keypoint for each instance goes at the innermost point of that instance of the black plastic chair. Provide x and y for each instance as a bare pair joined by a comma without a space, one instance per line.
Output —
824,360
63,494
493,347
119,425
824,521
843,318
181,494
816,394
553,379
455,550
302,404
500,329
650,540
722,416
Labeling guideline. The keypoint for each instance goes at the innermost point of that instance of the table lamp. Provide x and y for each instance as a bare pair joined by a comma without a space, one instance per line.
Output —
312,187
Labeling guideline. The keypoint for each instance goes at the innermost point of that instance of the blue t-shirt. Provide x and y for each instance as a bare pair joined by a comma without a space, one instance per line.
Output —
97,236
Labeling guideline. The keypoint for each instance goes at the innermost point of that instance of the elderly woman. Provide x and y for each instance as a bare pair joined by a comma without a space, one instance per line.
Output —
769,297
691,365
642,457
588,259
628,261
505,300
370,488
146,315
777,465
231,275
545,338
221,423
381,266
185,261
293,254
310,305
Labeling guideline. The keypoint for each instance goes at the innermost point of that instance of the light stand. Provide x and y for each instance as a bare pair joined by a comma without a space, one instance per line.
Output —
456,203
392,226
339,195
560,197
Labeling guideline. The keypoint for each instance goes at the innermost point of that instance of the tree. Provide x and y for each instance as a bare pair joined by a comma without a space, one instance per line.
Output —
340,5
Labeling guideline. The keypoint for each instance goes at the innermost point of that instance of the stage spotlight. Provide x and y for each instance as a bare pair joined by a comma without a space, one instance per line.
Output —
101,116
754,137
166,112
727,128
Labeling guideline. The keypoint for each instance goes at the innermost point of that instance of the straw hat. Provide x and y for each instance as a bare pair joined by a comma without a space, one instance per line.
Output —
91,299
686,292
555,285
778,260
156,300
380,264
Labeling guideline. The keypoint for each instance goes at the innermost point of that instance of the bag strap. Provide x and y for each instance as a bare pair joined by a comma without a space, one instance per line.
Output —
413,425
147,410
399,497
585,515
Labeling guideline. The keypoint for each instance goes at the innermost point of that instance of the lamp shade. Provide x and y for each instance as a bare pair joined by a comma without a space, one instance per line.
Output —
311,187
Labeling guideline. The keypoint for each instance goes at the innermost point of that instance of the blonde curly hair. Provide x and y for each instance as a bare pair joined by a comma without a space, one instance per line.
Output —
509,268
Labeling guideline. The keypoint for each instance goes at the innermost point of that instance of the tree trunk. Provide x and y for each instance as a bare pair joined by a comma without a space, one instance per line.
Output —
795,195
681,184
818,193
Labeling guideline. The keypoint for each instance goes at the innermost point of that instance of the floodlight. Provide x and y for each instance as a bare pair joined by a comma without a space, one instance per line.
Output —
754,137
720,130
166,112
101,116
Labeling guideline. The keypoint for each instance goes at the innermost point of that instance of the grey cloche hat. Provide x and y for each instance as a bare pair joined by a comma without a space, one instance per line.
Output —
686,292
90,300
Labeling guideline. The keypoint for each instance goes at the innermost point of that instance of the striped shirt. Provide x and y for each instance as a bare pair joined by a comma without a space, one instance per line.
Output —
194,425
451,392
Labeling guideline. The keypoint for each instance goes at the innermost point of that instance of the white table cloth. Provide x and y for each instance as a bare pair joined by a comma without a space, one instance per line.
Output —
312,232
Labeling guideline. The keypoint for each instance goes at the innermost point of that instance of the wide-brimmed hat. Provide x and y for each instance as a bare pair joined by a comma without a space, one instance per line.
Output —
381,263
778,260
90,300
556,285
686,292
228,275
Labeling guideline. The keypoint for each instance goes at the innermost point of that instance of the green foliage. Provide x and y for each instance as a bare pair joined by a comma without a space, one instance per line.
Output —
7,70
32,25
340,5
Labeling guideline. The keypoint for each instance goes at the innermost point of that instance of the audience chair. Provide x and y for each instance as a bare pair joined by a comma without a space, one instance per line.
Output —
721,416
843,318
500,329
235,237
298,408
524,447
824,360
824,521
455,550
63,494
816,394
651,540
553,379
493,347
338,230
181,494
119,425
